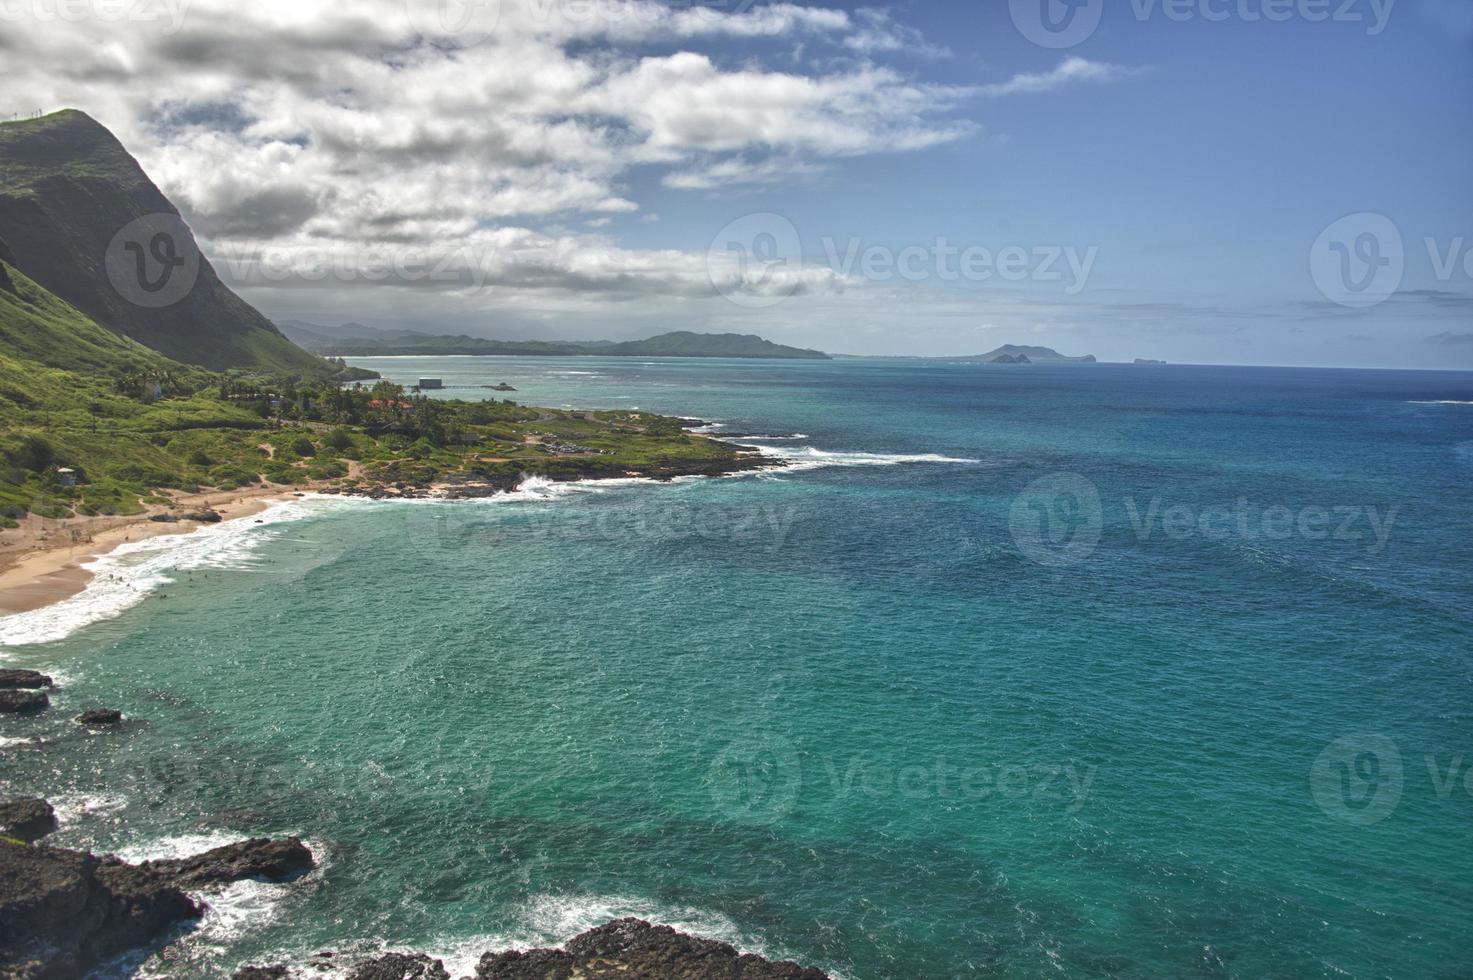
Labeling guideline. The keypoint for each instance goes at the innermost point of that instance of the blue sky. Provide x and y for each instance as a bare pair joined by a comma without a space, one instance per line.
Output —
1189,181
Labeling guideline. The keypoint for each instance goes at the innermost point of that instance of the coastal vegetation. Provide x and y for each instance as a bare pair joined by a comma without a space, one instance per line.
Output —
127,422
111,408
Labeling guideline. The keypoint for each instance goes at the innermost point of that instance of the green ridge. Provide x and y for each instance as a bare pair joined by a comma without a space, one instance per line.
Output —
67,186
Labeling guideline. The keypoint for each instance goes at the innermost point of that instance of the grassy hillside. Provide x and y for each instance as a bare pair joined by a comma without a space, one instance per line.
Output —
67,187
37,326
132,422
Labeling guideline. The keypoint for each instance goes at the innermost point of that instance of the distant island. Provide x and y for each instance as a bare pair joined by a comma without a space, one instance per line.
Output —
357,340
1016,354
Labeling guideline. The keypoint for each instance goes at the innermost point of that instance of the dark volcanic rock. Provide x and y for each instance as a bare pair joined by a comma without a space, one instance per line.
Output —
202,516
63,911
401,966
630,948
101,716
261,973
12,679
259,857
27,819
23,702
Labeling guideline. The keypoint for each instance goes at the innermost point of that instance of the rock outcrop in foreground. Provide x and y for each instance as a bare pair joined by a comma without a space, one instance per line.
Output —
626,949
635,948
63,911
12,679
259,857
27,819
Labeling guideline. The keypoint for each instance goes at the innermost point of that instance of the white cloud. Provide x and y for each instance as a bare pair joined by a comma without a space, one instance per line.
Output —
367,158
1072,70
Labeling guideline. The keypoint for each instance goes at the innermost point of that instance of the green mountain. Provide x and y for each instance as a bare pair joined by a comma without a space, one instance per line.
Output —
1020,354
355,340
37,326
68,189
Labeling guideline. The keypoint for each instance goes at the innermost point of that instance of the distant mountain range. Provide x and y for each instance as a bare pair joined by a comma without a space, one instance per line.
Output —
357,340
68,191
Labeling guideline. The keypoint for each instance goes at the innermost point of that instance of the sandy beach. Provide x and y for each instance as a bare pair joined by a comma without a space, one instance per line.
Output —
41,561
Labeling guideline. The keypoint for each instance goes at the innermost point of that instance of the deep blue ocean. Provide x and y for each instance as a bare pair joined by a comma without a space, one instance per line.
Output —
1125,671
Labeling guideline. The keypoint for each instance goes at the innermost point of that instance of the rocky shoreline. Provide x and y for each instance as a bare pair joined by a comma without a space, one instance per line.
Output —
625,949
64,912
750,459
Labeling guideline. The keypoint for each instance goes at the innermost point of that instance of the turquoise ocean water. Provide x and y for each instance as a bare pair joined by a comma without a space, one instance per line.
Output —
1017,672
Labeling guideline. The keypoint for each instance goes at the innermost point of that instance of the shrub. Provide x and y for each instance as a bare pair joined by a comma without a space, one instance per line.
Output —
303,447
34,454
339,439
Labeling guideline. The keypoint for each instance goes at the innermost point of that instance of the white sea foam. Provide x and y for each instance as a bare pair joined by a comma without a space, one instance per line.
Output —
811,458
551,920
1444,401
125,576
178,846
72,807
230,913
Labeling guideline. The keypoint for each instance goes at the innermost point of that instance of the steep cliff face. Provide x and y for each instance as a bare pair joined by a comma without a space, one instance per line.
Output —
81,218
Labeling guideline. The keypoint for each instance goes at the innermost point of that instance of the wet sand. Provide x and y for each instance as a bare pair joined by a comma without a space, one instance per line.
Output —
41,561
